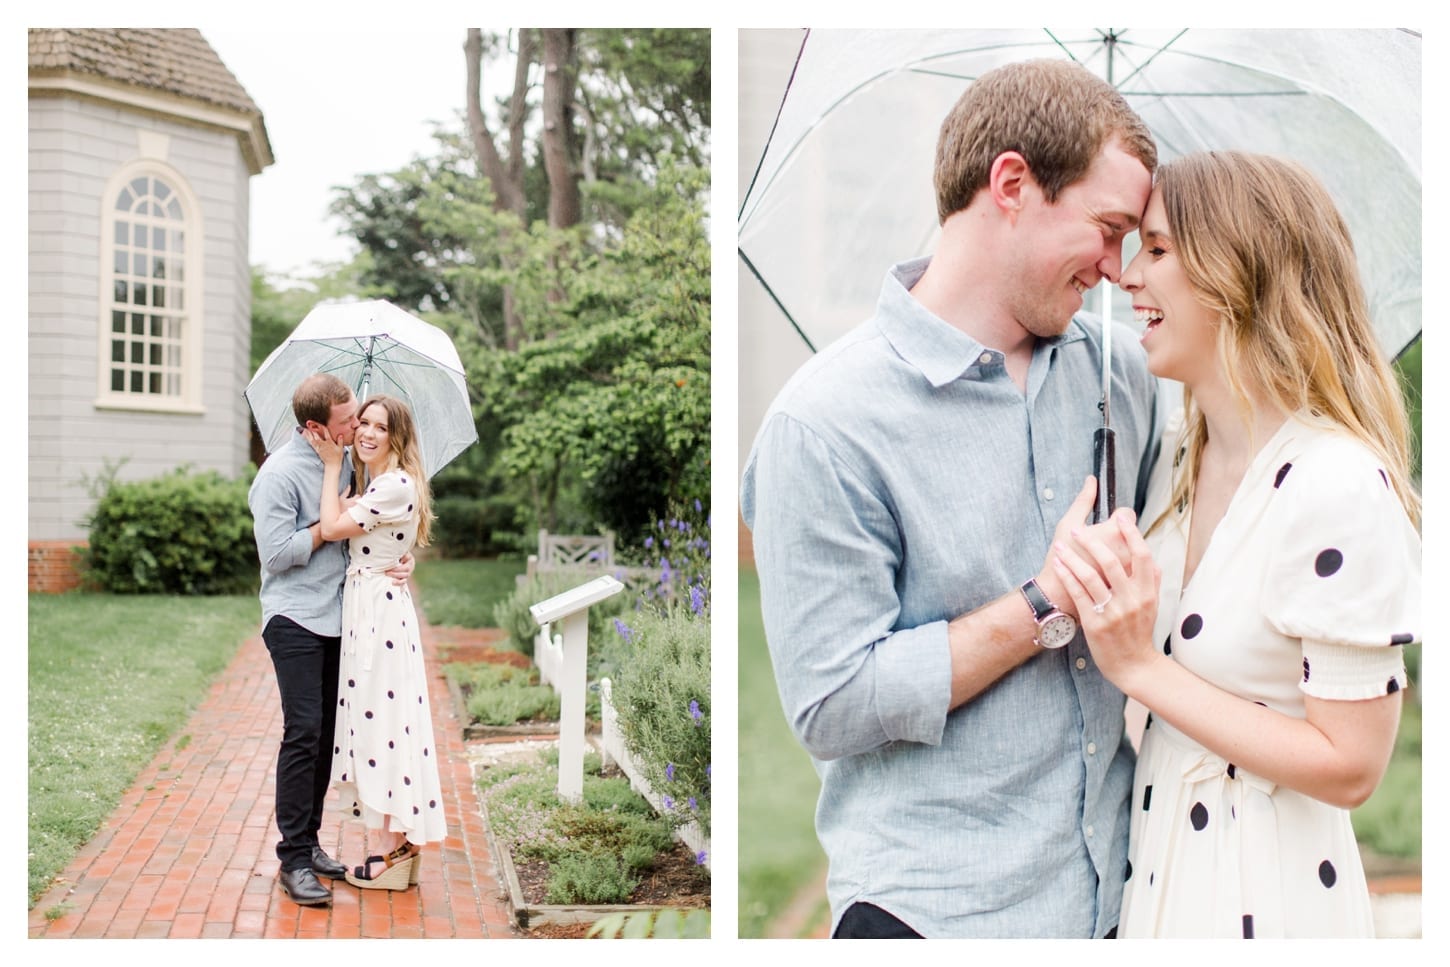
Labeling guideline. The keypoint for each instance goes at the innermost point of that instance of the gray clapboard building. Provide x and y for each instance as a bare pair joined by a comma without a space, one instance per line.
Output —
142,145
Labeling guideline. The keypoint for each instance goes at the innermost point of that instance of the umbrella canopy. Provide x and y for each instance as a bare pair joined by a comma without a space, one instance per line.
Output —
375,348
844,186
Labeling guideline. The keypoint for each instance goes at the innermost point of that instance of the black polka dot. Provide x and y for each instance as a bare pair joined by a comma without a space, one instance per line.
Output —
1327,876
389,643
1401,639
400,537
415,810
1192,625
374,510
1392,687
1385,479
1168,645
390,595
410,508
1150,878
1198,815
351,683
356,811
1232,771
337,750
1147,797
405,480
1178,458
1306,669
1148,722
1328,562
373,763
1283,472
368,714
432,804
1128,874
390,693
367,550
425,752
407,781
1248,926
390,744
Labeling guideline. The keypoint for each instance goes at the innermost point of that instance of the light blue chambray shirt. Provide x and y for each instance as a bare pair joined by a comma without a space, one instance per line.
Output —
297,582
901,479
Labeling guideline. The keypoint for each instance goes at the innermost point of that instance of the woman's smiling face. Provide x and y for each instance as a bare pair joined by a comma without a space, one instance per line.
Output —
1180,337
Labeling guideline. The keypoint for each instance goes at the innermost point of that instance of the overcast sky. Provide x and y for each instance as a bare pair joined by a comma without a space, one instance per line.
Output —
337,104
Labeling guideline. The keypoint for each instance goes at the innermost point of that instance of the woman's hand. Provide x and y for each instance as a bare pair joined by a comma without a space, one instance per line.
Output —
1116,604
327,448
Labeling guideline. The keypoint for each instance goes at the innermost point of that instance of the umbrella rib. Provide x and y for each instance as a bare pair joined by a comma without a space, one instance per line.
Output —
773,298
760,163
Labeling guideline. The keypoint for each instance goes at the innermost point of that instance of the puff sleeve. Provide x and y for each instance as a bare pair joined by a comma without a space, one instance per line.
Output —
389,499
1343,574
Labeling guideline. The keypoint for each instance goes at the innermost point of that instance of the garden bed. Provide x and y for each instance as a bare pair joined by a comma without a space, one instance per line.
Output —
511,682
613,821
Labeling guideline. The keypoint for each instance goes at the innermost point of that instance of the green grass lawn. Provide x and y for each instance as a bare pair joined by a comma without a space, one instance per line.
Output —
111,679
778,851
463,592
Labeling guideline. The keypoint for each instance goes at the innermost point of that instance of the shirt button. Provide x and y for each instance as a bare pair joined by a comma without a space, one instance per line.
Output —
985,358
1047,493
1081,664
1088,831
1092,748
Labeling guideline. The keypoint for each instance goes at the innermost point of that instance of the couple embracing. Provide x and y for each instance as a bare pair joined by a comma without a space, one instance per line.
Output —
952,640
338,621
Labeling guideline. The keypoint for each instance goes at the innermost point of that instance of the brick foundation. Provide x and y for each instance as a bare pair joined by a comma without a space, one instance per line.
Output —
55,566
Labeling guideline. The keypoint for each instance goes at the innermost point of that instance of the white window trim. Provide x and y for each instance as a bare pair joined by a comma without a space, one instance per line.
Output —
190,400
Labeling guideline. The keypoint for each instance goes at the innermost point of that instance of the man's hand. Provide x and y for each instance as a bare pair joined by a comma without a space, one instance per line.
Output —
1108,533
401,571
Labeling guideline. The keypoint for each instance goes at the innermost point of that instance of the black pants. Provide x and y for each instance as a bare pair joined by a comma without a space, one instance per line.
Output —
866,921
306,666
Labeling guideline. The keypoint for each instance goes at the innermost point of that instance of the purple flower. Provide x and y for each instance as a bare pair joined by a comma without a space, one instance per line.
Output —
700,858
697,599
693,803
649,542
698,508
707,770
695,713
670,771
669,803
625,631
665,541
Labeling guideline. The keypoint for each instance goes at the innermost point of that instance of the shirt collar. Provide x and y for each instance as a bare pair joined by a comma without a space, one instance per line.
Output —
941,351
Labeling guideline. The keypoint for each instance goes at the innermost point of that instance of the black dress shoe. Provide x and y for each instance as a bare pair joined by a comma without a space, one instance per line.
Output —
304,890
324,865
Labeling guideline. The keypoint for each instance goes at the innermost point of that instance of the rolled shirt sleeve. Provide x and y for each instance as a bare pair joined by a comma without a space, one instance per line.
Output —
828,551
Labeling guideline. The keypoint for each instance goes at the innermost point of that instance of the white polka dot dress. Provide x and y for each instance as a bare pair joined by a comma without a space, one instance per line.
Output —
1309,584
384,759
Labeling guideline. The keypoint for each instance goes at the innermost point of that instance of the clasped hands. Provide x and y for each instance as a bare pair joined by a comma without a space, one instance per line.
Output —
1104,574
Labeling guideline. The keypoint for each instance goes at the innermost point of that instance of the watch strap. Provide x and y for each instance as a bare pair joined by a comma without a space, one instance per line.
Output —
1036,600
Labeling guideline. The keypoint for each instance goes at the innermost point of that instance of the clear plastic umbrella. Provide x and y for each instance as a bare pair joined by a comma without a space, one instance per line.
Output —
375,348
843,187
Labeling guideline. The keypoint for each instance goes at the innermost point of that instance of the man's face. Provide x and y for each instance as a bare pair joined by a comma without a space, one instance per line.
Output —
1067,247
343,422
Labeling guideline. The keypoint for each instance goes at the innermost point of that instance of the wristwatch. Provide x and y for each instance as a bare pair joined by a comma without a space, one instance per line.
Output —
1054,629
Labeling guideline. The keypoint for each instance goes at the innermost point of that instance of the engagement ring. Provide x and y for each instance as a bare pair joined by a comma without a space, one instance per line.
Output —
1099,607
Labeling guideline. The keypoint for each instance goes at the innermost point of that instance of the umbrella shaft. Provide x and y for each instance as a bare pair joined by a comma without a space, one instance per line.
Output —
1105,446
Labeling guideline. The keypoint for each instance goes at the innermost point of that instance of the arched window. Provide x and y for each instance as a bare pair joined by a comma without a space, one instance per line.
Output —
150,336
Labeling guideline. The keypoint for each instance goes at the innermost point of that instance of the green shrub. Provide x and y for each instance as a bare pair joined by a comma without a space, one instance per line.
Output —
184,532
662,696
590,878
473,526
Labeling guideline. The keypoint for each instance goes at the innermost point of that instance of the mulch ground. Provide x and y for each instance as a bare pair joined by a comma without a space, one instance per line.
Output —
675,881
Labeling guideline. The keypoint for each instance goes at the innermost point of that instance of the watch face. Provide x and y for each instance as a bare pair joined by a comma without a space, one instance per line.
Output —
1056,631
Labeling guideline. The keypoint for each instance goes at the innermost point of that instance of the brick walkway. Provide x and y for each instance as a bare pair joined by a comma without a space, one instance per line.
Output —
189,852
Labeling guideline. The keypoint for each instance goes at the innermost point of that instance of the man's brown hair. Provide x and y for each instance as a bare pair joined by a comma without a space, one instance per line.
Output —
316,397
1057,114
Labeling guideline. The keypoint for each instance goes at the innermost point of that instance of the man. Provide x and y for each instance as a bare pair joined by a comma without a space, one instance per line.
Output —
902,493
302,579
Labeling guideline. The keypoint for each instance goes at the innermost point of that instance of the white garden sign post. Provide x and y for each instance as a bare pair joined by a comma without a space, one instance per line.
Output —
572,608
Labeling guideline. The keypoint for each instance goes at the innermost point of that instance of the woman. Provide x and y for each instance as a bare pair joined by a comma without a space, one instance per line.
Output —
1282,522
384,760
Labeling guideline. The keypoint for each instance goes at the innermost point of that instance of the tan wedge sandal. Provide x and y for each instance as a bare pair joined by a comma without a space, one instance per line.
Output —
400,870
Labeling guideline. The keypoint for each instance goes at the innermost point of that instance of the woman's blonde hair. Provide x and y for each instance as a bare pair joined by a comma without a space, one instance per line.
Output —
1265,248
404,453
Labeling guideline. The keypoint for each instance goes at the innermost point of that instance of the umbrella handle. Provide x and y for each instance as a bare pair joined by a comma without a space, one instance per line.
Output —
1105,447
